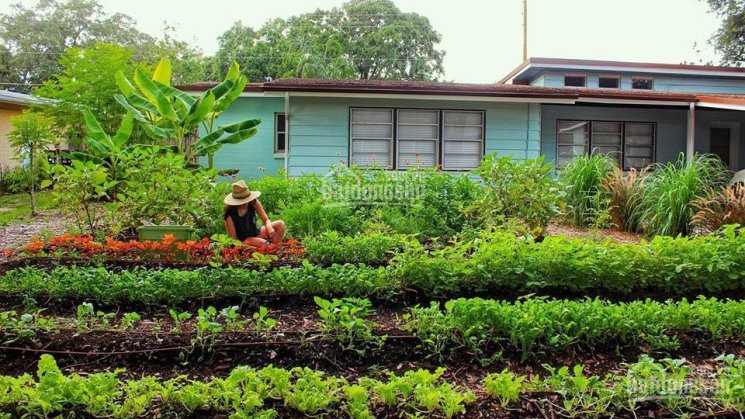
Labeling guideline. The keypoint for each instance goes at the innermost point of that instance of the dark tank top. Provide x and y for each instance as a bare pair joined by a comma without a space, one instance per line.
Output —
245,226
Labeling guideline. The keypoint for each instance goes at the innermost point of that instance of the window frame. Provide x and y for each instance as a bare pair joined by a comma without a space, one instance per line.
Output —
442,139
589,143
651,82
394,146
277,132
438,140
392,157
617,78
583,76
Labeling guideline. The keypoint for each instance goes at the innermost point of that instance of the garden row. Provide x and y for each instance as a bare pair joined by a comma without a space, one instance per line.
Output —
667,387
485,329
490,261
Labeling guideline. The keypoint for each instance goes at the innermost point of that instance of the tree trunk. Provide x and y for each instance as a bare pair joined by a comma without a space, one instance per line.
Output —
31,183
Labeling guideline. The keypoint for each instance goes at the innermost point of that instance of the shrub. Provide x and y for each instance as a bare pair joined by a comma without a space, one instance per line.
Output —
719,207
523,191
310,218
666,201
279,192
583,178
624,191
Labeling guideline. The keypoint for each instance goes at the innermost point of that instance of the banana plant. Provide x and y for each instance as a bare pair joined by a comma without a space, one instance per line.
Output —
171,114
104,149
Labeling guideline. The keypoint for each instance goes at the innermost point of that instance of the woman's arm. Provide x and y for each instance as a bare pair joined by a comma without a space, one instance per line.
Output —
230,227
264,218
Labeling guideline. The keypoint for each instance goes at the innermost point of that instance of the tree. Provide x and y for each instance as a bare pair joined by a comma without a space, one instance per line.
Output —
37,36
170,114
729,40
30,136
86,82
368,39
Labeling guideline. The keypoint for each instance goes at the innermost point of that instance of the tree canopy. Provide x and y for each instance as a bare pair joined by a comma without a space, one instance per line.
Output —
367,39
729,40
32,40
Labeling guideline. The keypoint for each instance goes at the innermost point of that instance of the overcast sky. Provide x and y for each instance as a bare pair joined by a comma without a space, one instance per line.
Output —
482,38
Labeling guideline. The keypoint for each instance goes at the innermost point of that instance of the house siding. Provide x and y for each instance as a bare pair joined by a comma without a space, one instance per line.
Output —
319,128
662,83
255,156
7,156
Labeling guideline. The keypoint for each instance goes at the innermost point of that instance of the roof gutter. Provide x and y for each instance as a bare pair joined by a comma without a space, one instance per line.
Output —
469,97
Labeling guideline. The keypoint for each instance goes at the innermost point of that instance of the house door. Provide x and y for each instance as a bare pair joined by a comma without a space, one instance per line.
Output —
719,143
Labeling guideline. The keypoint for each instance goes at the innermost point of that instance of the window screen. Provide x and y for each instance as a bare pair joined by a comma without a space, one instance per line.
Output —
417,132
639,145
572,139
372,137
641,83
609,82
574,81
607,138
462,139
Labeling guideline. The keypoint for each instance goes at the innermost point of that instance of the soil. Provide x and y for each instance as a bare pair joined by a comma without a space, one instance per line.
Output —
621,236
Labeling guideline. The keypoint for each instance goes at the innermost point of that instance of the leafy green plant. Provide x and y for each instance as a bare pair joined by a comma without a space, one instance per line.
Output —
178,319
504,386
371,248
345,320
263,324
666,206
16,327
87,317
170,114
130,320
233,323
76,190
586,199
522,191
731,385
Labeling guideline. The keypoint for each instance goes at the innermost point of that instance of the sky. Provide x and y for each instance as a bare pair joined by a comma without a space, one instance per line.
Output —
482,38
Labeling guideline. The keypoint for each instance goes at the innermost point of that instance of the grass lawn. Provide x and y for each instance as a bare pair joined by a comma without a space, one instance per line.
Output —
18,206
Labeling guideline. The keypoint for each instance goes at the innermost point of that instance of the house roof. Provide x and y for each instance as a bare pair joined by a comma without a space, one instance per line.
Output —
15,100
530,68
423,88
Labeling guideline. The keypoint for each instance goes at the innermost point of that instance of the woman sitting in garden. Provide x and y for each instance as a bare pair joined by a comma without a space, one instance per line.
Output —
241,206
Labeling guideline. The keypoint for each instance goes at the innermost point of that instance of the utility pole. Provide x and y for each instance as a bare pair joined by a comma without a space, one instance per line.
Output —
525,30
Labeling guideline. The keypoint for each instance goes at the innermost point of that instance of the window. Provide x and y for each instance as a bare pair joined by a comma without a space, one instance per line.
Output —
641,83
574,81
280,133
417,135
371,133
631,144
573,140
405,138
605,82
462,139
638,145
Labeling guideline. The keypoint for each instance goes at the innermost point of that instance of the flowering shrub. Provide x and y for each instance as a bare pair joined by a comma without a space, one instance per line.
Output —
167,250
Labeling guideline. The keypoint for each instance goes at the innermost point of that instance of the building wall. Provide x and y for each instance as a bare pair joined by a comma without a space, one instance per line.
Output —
671,126
661,83
319,128
254,157
7,157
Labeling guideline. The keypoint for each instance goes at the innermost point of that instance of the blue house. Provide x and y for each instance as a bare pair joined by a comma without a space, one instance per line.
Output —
639,113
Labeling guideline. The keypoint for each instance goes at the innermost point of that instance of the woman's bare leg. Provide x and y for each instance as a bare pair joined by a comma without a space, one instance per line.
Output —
279,232
255,241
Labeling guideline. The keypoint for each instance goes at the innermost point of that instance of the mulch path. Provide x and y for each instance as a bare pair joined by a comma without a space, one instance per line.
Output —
17,234
621,236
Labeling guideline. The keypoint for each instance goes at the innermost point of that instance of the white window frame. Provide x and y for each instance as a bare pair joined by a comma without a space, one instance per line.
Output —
583,76
442,136
616,78
651,80
277,131
437,139
391,157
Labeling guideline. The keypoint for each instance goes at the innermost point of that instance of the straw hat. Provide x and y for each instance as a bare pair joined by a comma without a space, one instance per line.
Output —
241,194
